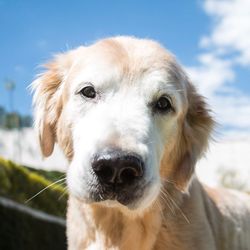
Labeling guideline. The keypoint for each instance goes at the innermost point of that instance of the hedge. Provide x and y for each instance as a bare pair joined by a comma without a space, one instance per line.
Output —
20,183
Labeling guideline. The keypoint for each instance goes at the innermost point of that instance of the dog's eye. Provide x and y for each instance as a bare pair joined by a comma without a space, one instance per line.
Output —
163,104
89,92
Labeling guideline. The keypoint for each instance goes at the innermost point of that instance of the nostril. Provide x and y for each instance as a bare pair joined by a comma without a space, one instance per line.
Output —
127,175
105,173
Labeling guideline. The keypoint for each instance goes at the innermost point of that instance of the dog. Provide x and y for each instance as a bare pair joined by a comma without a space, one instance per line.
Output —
133,126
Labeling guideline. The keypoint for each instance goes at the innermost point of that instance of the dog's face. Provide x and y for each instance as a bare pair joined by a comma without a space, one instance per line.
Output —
126,117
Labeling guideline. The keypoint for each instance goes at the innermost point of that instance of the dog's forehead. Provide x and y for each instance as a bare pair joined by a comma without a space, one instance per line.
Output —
128,61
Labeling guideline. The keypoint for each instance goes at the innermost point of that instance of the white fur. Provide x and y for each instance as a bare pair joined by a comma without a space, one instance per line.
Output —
122,118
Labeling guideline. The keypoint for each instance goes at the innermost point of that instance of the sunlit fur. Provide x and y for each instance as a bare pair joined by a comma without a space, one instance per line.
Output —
174,211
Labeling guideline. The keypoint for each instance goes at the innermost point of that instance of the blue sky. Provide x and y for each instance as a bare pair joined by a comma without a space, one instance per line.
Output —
32,31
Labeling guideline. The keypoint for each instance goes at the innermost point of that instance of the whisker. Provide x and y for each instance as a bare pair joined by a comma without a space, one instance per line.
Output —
64,193
175,204
151,142
167,201
168,181
157,203
44,189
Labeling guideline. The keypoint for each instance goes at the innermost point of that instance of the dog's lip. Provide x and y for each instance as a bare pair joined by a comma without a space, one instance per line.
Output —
116,199
124,197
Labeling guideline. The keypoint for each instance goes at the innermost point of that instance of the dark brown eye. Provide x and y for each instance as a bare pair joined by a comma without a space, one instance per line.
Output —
88,92
163,104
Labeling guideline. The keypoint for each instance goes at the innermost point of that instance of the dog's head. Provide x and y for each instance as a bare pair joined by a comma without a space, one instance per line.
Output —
127,118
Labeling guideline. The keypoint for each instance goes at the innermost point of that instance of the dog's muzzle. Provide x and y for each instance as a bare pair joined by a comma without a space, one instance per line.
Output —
119,175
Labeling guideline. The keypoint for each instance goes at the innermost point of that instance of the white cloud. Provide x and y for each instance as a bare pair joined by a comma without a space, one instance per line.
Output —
227,46
233,111
212,74
231,29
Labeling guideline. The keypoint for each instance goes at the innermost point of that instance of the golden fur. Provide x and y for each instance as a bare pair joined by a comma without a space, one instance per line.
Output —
186,215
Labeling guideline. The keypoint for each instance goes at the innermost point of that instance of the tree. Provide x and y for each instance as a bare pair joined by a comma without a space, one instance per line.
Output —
2,116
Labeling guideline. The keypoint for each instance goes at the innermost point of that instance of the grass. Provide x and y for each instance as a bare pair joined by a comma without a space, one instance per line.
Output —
20,183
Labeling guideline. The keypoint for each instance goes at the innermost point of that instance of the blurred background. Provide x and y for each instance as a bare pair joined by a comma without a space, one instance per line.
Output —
210,38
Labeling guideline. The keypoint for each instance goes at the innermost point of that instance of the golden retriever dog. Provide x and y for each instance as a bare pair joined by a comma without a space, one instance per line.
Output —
133,126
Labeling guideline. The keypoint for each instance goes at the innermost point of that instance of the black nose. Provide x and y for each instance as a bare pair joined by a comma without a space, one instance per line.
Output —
118,168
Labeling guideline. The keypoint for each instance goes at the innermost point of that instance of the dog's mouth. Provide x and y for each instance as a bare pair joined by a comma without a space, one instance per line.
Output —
126,196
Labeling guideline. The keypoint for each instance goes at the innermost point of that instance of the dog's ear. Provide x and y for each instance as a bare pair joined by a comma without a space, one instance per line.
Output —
193,139
47,101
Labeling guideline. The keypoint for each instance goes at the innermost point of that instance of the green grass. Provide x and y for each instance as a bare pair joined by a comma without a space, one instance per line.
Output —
50,175
20,183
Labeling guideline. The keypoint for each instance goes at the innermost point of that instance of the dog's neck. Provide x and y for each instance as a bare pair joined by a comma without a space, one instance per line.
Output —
101,227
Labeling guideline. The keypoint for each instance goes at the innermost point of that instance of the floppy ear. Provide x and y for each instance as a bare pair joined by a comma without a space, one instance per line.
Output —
47,102
193,138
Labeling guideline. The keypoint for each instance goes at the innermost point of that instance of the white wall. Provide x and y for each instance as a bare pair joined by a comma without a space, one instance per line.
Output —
230,153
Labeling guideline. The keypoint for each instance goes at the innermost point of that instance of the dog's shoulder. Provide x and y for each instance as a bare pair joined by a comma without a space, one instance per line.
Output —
229,201
229,214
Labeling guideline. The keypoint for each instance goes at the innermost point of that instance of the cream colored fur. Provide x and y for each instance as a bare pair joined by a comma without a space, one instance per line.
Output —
176,211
